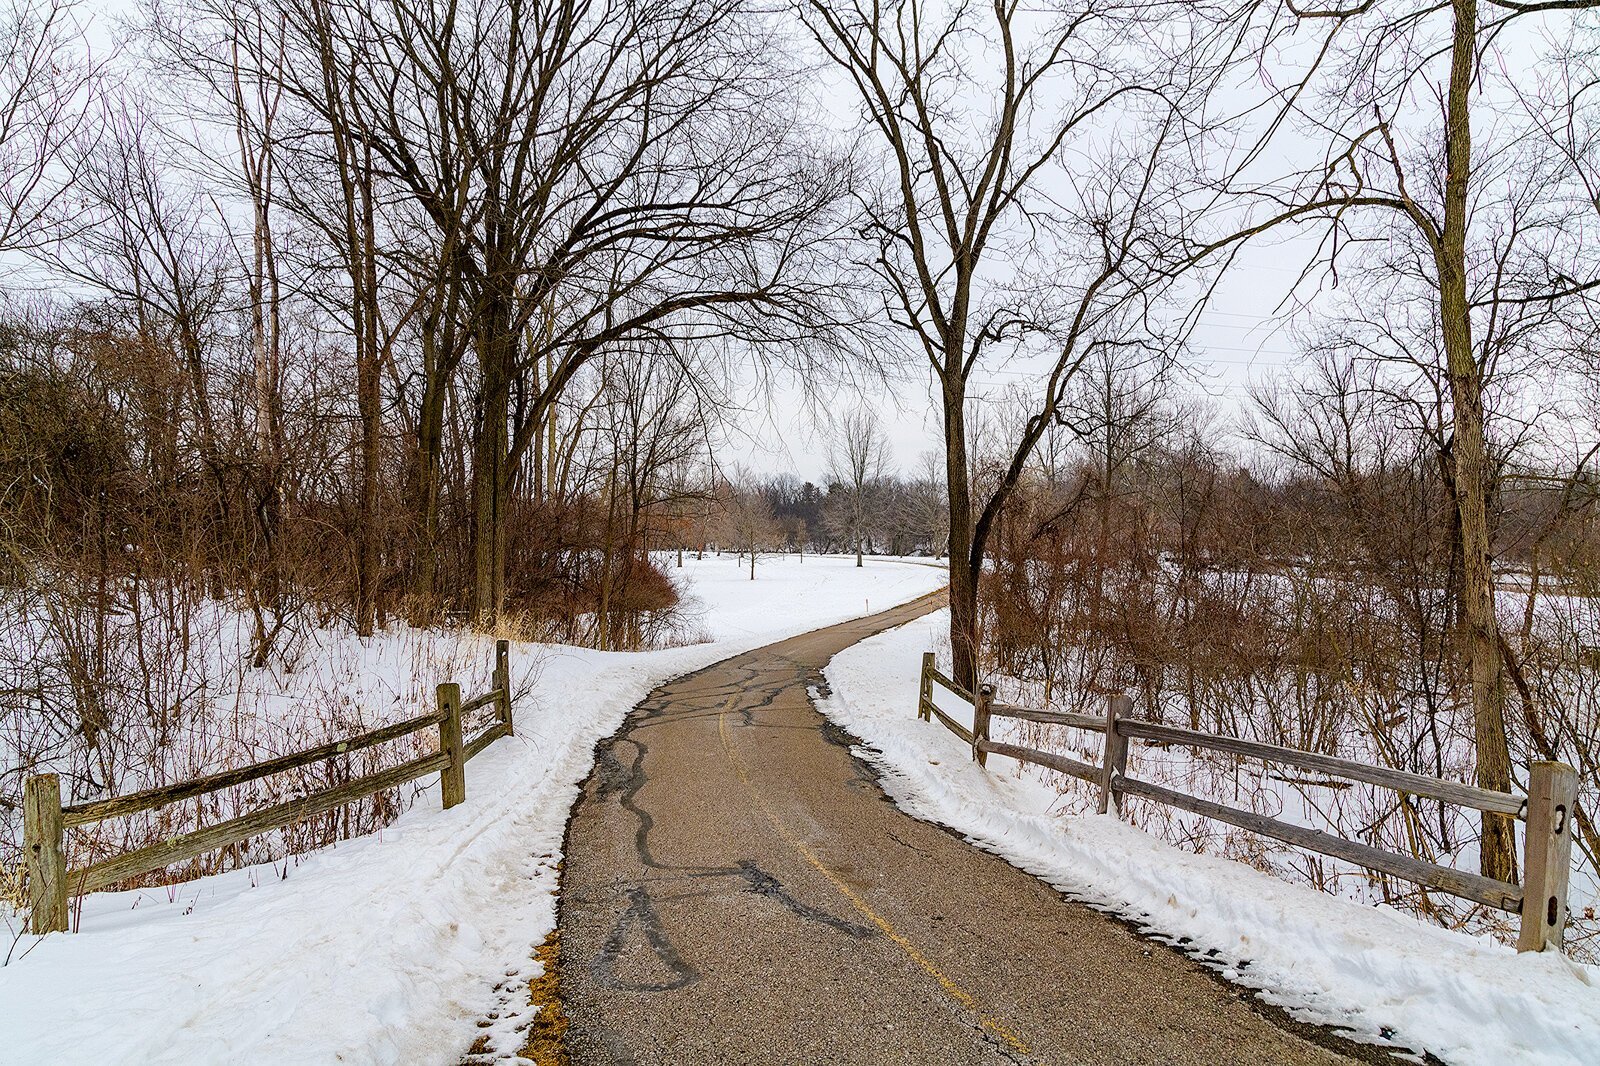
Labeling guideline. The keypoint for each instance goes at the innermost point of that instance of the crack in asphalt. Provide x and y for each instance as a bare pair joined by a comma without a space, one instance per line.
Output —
641,912
622,780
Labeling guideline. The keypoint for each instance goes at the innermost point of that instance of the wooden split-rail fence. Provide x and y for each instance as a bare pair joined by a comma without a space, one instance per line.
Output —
45,820
1540,901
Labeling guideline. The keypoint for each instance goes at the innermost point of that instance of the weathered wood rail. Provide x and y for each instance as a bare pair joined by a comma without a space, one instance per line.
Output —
45,820
1540,901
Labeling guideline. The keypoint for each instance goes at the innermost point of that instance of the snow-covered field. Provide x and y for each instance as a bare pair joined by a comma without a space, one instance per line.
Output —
1383,974
724,601
398,946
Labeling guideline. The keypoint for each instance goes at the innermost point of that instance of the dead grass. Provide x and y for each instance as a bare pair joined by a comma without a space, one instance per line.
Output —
546,1043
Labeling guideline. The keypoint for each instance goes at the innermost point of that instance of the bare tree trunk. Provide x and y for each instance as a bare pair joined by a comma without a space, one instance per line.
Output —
354,234
491,457
263,583
963,574
369,403
425,502
552,451
607,550
1498,848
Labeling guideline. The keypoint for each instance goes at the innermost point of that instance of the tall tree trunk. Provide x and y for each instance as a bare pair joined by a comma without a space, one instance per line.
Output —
607,550
443,345
1482,637
963,574
356,239
491,458
552,451
264,587
425,493
368,401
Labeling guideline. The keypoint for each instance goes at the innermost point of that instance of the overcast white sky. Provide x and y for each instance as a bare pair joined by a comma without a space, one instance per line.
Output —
1239,342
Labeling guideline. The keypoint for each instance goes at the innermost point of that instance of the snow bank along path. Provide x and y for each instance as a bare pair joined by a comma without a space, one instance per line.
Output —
395,947
1381,973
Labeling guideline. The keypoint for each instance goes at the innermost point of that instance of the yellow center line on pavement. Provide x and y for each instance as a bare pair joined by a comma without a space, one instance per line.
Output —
951,989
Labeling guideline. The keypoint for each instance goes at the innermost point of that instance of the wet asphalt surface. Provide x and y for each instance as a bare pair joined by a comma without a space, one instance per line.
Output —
738,889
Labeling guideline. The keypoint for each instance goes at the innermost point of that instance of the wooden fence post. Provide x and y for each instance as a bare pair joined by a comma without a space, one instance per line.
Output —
502,681
1547,855
925,687
453,778
980,723
1118,705
46,859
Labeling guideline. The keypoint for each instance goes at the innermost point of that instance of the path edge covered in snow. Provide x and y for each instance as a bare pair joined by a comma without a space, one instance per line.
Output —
1373,973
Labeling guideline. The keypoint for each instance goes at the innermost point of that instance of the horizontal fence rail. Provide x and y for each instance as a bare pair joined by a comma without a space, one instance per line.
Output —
1541,901
136,802
191,845
1399,780
45,819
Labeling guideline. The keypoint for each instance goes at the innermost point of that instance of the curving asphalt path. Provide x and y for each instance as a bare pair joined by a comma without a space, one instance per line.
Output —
737,889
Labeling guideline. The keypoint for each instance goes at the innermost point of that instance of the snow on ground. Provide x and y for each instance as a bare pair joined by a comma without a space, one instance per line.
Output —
1374,970
728,605
391,948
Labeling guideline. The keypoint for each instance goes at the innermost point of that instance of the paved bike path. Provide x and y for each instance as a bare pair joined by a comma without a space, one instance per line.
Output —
738,889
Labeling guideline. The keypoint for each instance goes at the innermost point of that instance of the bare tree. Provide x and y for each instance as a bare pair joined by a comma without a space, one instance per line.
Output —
974,109
656,420
748,519
142,234
591,173
1391,96
928,513
48,81
858,458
